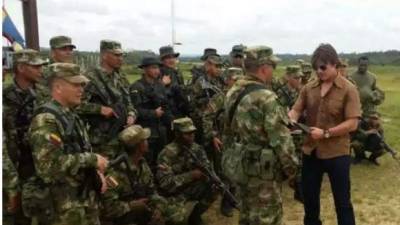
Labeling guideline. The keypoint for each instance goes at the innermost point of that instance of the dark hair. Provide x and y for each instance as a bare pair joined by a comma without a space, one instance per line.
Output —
363,58
325,53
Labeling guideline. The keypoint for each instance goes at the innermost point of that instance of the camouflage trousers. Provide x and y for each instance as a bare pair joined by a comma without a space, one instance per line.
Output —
261,203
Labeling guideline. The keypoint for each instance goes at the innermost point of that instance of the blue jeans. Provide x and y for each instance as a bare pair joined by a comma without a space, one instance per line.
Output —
338,170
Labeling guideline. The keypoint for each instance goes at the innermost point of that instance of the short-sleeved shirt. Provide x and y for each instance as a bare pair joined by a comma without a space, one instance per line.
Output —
340,103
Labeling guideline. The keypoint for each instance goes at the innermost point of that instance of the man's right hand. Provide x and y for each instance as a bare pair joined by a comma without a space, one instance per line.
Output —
107,112
197,174
159,112
217,143
102,163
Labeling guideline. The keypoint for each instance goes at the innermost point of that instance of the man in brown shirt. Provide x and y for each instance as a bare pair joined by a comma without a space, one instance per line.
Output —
332,107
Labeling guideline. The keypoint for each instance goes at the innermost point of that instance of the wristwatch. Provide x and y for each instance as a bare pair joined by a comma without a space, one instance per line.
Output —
327,134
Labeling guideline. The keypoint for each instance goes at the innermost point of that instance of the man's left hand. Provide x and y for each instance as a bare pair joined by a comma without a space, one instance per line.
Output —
316,133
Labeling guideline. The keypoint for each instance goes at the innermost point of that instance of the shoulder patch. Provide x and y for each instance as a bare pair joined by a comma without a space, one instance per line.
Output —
55,140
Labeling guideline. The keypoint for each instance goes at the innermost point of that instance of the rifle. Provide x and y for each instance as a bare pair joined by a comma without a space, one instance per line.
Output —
109,99
210,174
306,129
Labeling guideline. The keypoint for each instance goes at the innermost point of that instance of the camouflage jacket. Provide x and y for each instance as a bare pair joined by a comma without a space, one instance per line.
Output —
105,90
115,202
212,118
287,96
177,165
55,164
17,115
260,120
370,94
204,89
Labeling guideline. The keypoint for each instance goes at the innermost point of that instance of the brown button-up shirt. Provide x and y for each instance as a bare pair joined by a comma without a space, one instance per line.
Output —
340,103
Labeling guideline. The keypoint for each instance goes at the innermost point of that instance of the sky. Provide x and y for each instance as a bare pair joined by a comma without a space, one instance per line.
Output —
288,26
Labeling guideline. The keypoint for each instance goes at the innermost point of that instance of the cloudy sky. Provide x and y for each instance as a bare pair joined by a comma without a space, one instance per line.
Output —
288,26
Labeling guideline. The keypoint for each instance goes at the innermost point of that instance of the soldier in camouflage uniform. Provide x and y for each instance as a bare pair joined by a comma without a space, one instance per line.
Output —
199,71
362,139
370,96
306,69
236,57
258,123
132,196
107,106
149,96
10,188
19,100
212,121
61,51
65,165
287,96
172,79
178,174
342,69
204,89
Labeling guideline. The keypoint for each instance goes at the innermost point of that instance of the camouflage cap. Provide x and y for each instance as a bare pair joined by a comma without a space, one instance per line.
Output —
260,55
300,61
61,41
28,56
208,52
234,73
168,51
111,46
306,67
183,125
343,62
294,71
132,135
214,59
237,50
67,71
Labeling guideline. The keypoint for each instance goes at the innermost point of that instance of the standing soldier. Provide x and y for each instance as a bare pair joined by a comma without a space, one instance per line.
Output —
213,127
199,71
178,173
61,51
149,96
70,174
173,81
257,123
370,95
19,100
306,69
236,57
288,93
107,106
132,197
204,89
287,96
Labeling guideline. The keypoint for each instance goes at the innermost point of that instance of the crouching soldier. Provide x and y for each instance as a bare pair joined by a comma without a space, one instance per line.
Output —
178,173
132,197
